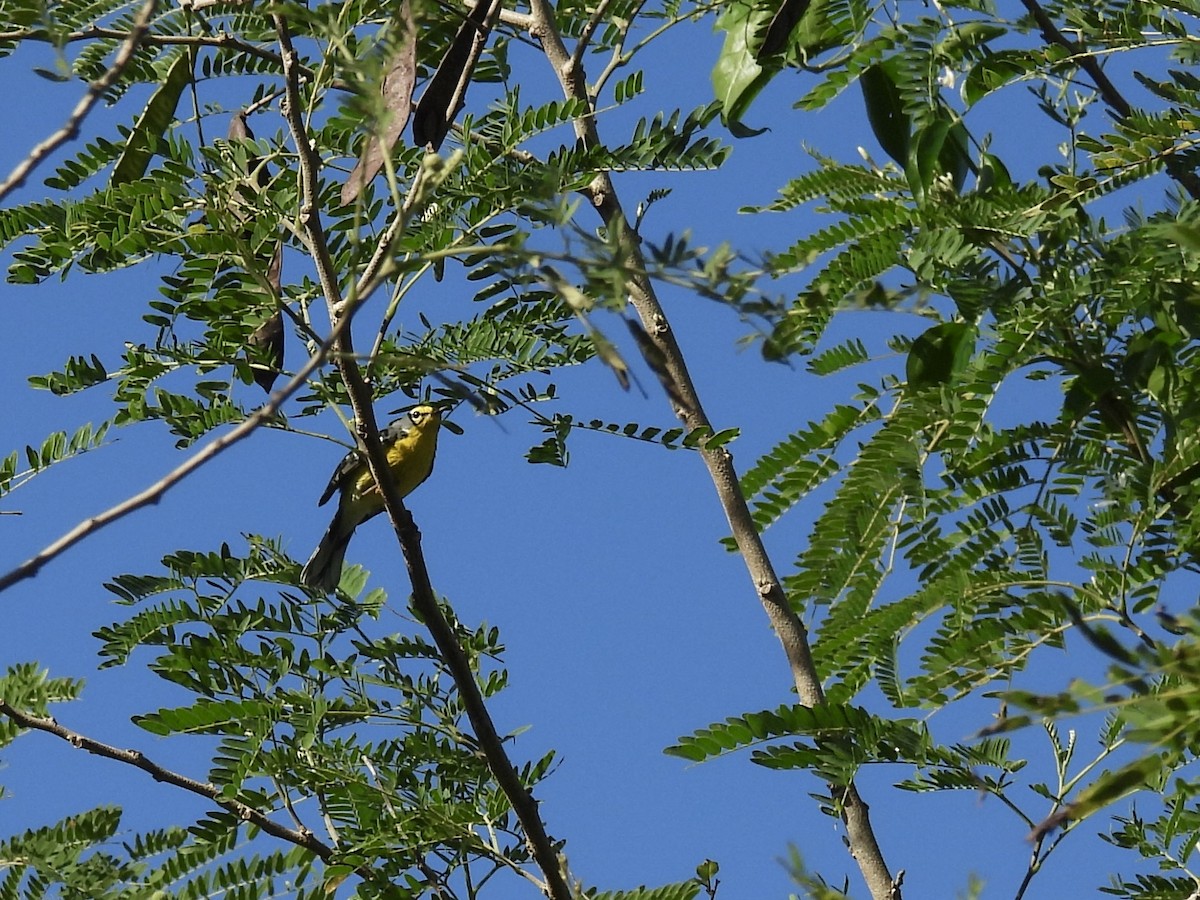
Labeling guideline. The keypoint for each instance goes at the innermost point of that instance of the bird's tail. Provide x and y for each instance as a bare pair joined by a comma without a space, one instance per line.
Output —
324,568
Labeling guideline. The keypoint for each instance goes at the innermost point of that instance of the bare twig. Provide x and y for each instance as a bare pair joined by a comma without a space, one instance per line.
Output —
671,365
589,30
223,40
155,492
301,837
424,600
518,20
94,92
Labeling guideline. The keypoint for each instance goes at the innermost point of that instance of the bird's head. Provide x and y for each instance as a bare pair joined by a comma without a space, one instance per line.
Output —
431,414
425,416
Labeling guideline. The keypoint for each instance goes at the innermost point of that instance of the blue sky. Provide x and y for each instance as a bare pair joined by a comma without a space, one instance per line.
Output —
626,624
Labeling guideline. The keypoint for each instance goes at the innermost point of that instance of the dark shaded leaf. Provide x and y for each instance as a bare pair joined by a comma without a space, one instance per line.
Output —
885,111
940,353
447,89
941,148
239,130
786,18
153,123
266,344
656,360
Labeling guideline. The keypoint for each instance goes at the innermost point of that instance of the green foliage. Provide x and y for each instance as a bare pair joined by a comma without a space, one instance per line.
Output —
155,119
684,890
953,537
55,449
305,708
29,688
288,682
956,538
747,63
64,854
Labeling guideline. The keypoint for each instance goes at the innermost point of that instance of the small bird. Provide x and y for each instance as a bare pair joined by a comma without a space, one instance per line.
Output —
410,444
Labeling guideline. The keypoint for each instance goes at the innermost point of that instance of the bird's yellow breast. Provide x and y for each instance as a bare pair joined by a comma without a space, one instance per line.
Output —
410,459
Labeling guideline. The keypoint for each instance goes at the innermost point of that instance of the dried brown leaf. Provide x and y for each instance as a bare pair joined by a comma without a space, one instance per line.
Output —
397,91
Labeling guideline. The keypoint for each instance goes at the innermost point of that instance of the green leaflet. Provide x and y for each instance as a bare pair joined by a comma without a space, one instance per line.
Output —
55,449
995,71
684,890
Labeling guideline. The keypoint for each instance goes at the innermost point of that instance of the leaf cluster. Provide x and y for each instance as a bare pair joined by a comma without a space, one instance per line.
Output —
955,536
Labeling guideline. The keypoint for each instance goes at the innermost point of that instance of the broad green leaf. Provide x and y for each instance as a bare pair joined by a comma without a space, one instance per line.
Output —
992,173
738,77
940,353
885,110
967,37
941,148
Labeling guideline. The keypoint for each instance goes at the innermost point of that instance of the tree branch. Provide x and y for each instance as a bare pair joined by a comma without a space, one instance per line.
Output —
424,600
688,407
155,492
95,90
589,30
519,20
1088,63
301,837
222,40
1113,97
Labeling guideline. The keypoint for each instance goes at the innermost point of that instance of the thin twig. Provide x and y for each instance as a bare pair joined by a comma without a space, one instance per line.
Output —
286,800
221,40
301,837
95,91
688,407
155,492
424,599
589,30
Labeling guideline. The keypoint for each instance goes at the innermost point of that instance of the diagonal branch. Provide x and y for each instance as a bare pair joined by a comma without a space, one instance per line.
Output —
1113,97
155,492
1088,63
301,837
95,91
223,40
425,601
669,361
589,31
